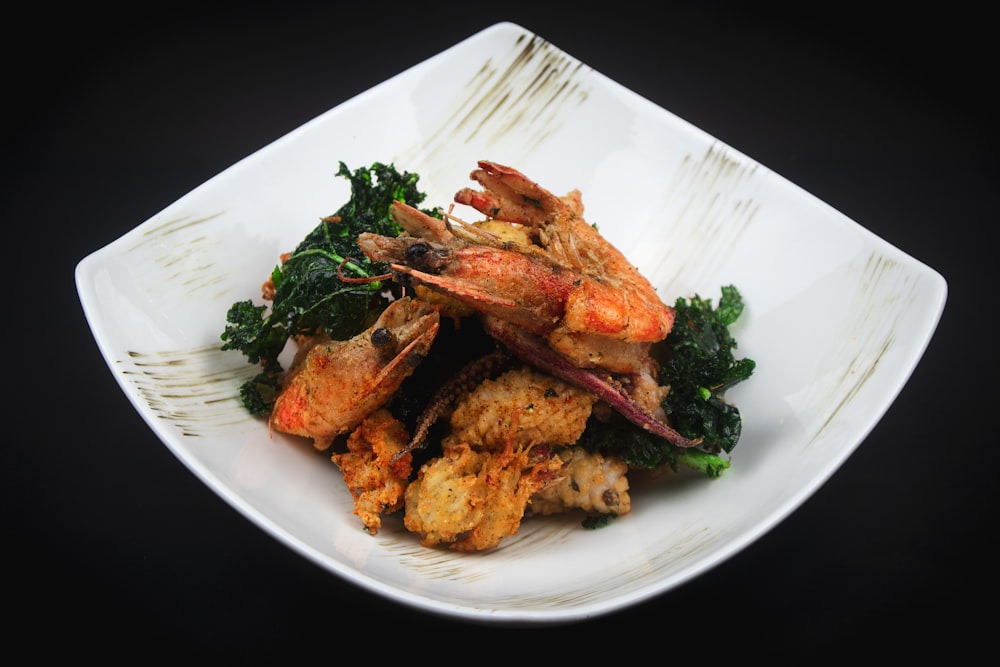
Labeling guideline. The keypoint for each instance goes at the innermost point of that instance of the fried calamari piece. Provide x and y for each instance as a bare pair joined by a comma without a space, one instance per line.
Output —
376,481
523,408
589,481
470,500
496,457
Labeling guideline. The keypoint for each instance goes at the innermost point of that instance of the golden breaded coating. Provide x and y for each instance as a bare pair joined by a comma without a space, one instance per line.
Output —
589,481
471,500
496,457
377,483
523,408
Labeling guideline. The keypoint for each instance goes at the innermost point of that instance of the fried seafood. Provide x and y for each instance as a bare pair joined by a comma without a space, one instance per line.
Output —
333,385
578,287
470,500
589,481
612,298
376,477
523,288
495,458
523,408
550,271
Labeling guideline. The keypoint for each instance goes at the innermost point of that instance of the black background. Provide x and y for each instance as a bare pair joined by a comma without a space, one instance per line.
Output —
112,547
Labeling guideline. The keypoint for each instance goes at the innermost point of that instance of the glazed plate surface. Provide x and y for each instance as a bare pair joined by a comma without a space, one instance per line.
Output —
836,320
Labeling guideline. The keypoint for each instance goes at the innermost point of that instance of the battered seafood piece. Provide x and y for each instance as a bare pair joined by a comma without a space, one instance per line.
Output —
591,482
524,408
471,500
495,459
333,385
375,476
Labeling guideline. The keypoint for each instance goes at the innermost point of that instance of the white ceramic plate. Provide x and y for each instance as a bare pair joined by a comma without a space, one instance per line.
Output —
836,320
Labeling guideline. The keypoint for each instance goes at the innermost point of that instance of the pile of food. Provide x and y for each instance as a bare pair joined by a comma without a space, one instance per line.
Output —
472,374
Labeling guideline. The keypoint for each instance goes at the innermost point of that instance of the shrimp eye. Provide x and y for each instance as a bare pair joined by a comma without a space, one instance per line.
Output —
426,257
382,337
417,251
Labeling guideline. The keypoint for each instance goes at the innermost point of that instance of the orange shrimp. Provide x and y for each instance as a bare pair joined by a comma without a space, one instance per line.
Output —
333,385
612,298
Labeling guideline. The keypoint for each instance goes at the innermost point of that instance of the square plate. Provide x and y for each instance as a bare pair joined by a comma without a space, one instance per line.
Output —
836,319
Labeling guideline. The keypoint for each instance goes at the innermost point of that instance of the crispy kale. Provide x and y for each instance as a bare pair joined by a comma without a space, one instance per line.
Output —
310,295
641,449
699,367
259,393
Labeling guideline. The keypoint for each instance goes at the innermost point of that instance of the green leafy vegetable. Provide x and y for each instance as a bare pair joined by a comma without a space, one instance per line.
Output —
311,294
259,393
640,449
597,521
700,368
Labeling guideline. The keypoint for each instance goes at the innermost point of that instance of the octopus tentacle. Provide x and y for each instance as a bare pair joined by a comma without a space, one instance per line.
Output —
461,384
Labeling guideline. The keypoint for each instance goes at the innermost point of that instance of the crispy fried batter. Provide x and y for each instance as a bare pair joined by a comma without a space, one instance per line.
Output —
471,500
495,458
522,407
376,482
590,482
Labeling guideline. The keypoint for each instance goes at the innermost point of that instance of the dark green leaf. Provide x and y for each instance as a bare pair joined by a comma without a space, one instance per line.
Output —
700,367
